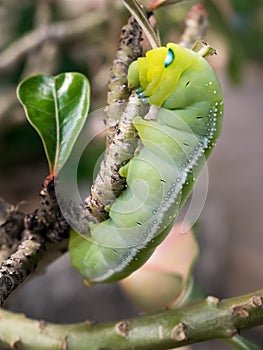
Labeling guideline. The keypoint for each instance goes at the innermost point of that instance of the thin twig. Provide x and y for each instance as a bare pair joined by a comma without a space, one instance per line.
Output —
11,227
58,32
20,264
196,24
45,225
42,60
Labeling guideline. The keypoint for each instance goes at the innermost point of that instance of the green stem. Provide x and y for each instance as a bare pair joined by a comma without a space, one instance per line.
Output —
209,319
241,343
206,50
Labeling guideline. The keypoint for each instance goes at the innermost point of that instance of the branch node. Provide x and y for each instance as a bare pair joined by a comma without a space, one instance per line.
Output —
160,332
64,343
178,333
16,344
42,325
122,328
213,301
230,333
257,301
240,311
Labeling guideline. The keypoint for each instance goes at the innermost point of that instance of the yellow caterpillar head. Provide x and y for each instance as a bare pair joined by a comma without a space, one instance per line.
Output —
157,74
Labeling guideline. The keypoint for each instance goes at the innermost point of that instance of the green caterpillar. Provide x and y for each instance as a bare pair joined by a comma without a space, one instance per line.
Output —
162,175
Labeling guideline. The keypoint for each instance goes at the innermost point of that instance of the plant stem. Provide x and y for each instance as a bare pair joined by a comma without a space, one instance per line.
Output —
43,226
121,140
196,24
241,343
209,319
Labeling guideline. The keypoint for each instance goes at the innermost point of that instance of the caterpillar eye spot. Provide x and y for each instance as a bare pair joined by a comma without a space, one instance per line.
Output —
169,58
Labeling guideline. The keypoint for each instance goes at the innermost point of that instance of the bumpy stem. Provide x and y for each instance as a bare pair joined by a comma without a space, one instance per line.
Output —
11,226
129,49
34,231
121,140
109,184
20,264
209,319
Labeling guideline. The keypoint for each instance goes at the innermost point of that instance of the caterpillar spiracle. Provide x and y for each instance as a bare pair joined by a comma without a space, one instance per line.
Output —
162,174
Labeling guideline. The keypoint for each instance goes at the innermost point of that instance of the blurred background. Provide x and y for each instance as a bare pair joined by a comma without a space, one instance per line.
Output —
83,37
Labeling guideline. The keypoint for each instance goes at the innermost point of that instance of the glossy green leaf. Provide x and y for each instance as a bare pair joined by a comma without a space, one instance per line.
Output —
57,108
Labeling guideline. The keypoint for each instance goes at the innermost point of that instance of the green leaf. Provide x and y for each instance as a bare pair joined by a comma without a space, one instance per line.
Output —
57,108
